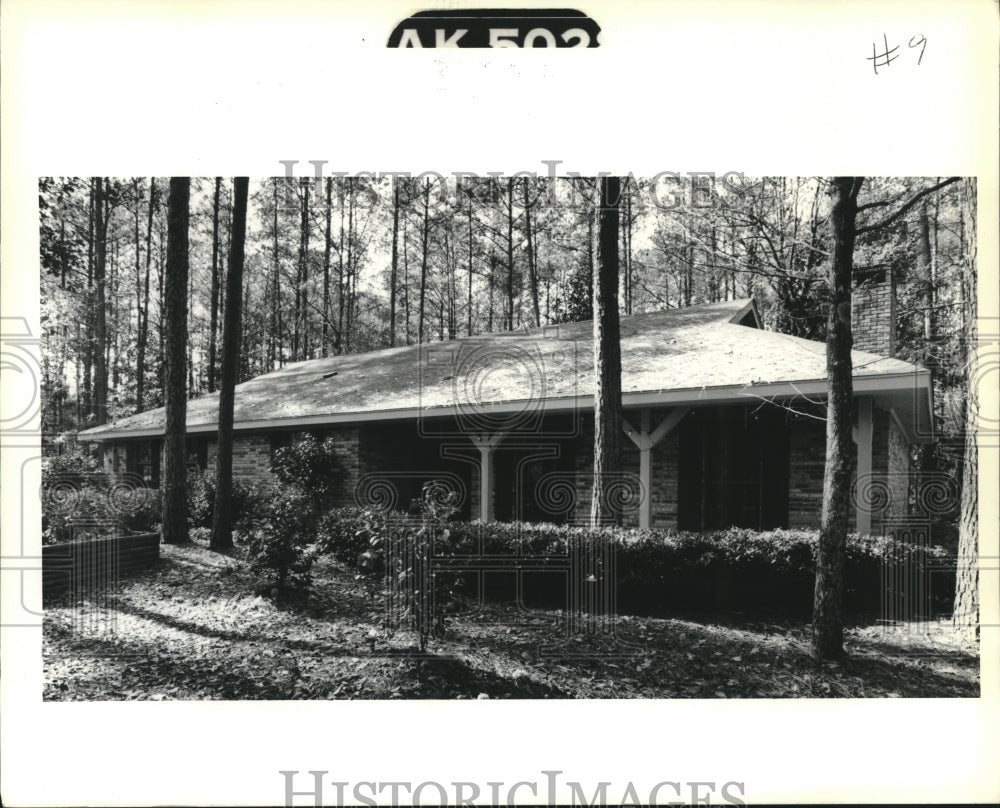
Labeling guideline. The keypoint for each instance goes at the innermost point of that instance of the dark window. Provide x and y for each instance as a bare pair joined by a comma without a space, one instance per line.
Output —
279,440
733,470
197,453
142,459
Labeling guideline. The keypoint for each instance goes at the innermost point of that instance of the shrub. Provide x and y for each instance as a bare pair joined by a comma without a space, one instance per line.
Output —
312,466
200,491
143,513
278,544
351,536
417,599
81,501
666,571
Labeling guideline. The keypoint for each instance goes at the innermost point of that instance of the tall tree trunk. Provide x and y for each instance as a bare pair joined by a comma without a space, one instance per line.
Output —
607,359
627,245
966,612
140,361
222,522
115,335
327,247
304,263
137,194
213,326
406,276
394,267
532,269
191,386
510,254
272,337
925,261
100,304
339,336
469,302
924,269
175,354
88,351
424,242
161,267
350,269
828,620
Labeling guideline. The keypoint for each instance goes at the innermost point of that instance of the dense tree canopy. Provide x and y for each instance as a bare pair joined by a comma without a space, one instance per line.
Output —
350,264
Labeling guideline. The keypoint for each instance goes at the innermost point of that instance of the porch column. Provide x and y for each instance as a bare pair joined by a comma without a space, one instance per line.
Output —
863,436
646,440
486,443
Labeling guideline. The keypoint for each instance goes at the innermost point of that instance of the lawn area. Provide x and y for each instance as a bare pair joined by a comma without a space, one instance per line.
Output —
191,628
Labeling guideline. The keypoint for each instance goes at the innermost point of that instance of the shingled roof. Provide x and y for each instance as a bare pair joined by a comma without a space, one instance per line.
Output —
700,354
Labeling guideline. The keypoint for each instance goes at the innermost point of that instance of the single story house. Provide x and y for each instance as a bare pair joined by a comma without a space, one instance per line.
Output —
724,420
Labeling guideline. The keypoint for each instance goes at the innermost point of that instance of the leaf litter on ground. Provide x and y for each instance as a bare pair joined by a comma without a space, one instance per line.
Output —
191,628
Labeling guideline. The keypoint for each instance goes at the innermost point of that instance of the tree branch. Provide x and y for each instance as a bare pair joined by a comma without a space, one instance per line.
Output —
913,201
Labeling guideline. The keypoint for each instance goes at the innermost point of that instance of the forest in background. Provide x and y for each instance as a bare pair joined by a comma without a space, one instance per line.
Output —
352,264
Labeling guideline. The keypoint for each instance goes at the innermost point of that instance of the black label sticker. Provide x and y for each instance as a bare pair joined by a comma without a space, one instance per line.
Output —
497,28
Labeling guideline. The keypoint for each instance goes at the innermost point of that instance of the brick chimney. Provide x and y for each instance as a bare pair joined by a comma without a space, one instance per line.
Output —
873,310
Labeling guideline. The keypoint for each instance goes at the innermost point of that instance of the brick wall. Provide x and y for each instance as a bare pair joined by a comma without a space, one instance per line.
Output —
251,459
873,311
347,441
664,474
807,457
584,455
806,461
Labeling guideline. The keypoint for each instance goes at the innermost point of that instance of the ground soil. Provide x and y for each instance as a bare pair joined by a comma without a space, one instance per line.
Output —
192,628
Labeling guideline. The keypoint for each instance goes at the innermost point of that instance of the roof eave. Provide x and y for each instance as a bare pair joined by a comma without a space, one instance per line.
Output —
768,391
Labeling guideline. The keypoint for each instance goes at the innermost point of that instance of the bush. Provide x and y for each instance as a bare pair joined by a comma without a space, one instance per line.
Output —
418,598
670,572
81,501
310,465
351,536
278,544
200,491
97,508
74,467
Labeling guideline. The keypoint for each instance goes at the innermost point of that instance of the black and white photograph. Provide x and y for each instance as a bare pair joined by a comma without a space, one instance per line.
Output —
403,437
499,405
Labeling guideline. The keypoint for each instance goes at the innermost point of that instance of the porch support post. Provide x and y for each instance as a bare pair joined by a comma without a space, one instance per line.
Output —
486,443
862,490
646,440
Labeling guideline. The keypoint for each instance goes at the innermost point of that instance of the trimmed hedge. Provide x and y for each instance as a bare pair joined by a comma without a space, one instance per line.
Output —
671,572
